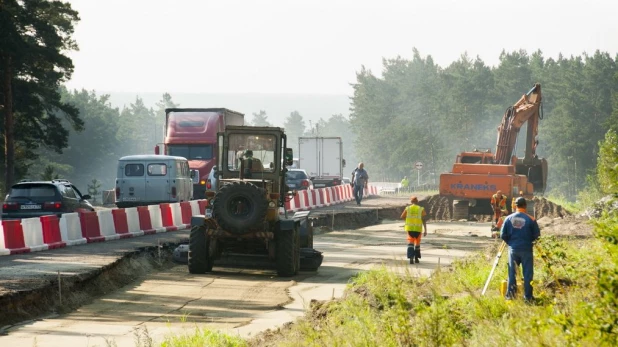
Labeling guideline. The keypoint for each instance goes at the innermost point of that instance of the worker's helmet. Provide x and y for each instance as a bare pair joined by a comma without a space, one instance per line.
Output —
520,202
499,192
413,199
521,193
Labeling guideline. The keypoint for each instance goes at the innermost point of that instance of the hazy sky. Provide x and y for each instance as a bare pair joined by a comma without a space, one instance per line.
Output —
288,46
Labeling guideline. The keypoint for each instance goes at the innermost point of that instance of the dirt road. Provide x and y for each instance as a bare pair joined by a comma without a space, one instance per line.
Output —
242,301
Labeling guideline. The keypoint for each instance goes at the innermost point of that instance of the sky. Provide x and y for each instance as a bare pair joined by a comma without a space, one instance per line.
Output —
312,47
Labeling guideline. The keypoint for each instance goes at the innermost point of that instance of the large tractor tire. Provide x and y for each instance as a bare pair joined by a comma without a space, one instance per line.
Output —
200,261
461,209
288,252
240,206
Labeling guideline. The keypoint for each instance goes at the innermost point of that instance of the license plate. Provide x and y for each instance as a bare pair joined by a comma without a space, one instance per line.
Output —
130,199
319,185
208,213
30,207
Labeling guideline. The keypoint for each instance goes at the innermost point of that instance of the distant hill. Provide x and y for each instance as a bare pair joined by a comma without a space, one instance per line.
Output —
277,106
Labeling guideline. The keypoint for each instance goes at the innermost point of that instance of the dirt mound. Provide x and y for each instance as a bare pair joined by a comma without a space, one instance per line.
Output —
546,208
441,208
437,207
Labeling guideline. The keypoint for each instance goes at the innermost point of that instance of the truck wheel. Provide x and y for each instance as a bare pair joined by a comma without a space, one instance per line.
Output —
240,206
461,209
288,252
199,261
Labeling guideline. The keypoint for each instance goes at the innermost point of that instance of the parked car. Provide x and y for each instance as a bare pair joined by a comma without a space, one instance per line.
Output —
297,179
28,199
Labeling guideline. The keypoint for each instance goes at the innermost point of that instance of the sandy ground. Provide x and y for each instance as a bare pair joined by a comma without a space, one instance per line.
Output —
243,301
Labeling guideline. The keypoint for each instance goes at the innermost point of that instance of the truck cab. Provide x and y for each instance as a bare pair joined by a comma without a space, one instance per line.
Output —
192,133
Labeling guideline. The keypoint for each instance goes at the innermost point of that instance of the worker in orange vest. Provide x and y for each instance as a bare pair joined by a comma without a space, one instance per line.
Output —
416,220
498,202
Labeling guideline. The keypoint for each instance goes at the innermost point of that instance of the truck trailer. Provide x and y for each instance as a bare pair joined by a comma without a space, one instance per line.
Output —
322,159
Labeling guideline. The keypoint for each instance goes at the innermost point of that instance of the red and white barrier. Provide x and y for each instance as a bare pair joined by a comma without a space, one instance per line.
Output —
49,232
71,230
133,221
328,196
33,234
37,234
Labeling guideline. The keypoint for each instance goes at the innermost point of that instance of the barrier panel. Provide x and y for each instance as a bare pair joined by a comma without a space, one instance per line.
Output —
133,221
33,234
106,225
121,225
177,216
89,222
156,218
308,200
195,208
145,224
202,204
51,232
167,219
13,238
71,229
186,210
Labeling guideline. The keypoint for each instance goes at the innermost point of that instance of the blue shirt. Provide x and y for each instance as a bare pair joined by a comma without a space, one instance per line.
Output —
519,231
360,177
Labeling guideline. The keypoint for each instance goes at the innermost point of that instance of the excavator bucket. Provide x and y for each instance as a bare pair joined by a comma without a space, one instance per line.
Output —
536,171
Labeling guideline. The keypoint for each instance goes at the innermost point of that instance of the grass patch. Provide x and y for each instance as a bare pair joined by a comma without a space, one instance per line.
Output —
203,337
382,308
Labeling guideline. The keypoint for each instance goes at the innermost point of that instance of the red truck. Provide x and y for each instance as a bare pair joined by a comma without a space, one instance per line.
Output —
192,133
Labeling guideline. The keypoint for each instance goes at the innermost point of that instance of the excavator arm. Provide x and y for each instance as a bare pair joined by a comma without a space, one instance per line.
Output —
525,110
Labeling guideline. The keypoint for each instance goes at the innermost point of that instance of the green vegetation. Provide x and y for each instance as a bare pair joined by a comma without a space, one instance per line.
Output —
203,337
573,287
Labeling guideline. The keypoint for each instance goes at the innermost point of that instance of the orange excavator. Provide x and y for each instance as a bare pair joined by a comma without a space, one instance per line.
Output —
477,175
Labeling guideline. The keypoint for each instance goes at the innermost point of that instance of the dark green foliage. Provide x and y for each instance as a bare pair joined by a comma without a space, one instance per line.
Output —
34,37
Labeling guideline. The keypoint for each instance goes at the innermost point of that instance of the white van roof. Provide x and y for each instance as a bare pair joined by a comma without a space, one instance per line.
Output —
150,157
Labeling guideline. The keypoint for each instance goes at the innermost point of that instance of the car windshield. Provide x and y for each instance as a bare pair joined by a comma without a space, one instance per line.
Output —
191,152
296,175
33,190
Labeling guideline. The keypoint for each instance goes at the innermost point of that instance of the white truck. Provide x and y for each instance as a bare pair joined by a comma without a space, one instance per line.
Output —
322,159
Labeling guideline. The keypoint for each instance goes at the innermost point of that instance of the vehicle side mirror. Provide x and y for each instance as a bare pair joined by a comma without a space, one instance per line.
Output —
289,156
156,149
312,178
86,197
343,163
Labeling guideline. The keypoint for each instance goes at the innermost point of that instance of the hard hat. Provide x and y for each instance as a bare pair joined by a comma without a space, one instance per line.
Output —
499,192
413,199
520,202
521,192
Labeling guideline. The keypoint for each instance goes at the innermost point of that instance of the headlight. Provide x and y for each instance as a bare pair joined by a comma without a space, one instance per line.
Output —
271,204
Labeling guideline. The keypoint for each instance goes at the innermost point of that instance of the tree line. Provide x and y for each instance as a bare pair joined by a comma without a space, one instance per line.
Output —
417,111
